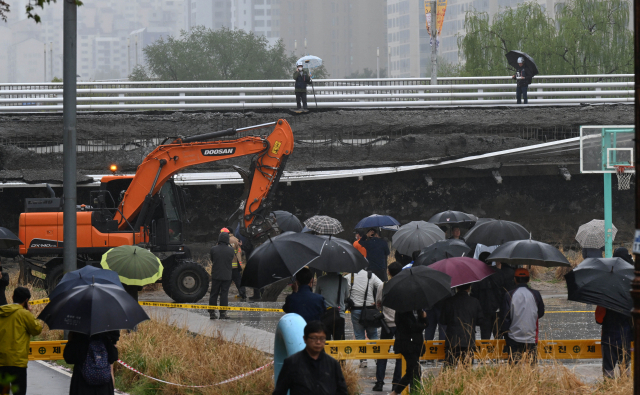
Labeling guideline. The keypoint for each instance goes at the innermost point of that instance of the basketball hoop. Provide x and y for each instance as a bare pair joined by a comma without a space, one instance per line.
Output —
624,177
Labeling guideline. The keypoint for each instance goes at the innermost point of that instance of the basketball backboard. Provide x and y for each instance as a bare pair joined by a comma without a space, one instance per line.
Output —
604,147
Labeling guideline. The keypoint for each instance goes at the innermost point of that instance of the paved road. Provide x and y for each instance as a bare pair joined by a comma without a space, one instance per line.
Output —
43,380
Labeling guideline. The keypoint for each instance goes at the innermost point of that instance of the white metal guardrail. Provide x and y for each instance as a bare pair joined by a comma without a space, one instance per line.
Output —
255,94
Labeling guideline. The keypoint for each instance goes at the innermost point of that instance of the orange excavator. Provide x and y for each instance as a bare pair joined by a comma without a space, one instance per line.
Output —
151,208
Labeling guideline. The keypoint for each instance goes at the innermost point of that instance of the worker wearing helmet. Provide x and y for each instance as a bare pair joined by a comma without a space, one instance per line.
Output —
523,78
521,309
302,79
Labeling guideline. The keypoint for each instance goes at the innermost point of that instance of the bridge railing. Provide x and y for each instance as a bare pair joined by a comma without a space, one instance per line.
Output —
329,93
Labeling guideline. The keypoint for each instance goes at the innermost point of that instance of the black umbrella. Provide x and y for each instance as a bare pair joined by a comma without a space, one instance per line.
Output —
415,236
8,239
442,250
610,265
85,276
280,257
452,217
288,222
338,255
92,309
496,232
593,286
512,58
528,252
416,288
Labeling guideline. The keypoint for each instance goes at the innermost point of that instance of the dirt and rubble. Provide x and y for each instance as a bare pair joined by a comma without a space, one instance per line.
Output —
324,139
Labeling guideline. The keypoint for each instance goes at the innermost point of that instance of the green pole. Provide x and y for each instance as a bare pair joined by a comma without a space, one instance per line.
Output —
608,232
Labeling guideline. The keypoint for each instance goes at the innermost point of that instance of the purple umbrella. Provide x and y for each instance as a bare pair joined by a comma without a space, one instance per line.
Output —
463,270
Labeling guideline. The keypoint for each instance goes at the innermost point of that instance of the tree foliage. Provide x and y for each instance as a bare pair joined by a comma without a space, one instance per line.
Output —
29,8
587,37
205,54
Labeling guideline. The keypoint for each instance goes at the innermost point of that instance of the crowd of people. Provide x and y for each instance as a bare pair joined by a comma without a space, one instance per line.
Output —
502,305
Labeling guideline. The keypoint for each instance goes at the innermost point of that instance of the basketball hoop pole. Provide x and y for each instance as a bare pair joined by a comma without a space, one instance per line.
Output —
608,231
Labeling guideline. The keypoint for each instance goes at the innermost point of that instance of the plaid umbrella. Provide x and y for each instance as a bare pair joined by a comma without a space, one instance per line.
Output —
591,234
324,225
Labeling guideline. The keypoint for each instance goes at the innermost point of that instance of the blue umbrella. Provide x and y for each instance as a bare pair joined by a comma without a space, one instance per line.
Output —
377,221
85,276
311,61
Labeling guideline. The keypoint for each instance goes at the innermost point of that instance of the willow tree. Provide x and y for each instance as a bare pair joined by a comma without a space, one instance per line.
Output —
594,37
526,28
587,37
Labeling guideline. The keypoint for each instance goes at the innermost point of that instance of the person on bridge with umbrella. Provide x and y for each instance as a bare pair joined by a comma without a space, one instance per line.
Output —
303,301
460,315
523,78
302,79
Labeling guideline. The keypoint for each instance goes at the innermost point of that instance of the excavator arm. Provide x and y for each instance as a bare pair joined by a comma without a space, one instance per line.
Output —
168,159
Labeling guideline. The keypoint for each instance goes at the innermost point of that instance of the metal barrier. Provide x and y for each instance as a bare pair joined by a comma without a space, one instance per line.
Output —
381,349
344,93
485,349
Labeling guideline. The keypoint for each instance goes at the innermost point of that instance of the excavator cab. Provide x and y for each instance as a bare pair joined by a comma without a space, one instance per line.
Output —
166,225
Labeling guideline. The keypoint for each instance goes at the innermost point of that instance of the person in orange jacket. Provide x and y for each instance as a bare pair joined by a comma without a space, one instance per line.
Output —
359,246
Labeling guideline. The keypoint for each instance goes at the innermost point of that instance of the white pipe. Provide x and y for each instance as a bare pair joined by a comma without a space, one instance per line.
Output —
123,99
318,81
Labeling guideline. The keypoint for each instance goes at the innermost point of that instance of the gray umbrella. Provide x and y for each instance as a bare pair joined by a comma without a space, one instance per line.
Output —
528,252
591,234
324,225
415,236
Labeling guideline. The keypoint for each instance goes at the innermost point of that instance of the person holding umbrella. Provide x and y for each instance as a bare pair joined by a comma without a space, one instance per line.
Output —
17,325
521,309
615,339
410,343
92,358
303,301
302,79
523,78
460,315
377,253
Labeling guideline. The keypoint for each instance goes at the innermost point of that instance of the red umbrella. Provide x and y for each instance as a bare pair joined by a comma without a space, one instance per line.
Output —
463,270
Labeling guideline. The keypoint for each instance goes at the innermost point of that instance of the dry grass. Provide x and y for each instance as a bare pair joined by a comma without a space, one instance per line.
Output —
574,257
521,379
179,356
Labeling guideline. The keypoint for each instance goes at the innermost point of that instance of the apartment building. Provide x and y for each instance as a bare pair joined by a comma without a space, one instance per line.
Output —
345,34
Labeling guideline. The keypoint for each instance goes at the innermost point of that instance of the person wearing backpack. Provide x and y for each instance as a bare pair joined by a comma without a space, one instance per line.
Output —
92,358
523,77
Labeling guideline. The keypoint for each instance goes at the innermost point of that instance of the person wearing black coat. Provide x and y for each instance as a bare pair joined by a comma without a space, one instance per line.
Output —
489,293
523,77
461,313
75,353
4,283
410,343
311,371
221,274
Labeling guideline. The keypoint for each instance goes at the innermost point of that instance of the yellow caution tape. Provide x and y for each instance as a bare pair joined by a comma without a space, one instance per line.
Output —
39,301
207,307
576,311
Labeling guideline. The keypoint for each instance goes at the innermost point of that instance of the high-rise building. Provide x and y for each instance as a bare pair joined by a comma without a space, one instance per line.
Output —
409,50
103,29
212,14
345,34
